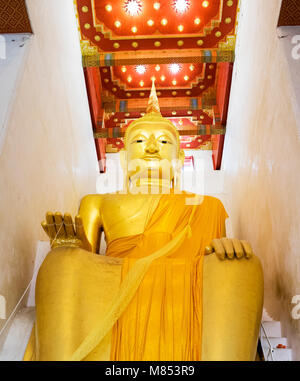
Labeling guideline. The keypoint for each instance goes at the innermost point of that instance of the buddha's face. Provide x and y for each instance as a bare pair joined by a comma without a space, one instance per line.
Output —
152,151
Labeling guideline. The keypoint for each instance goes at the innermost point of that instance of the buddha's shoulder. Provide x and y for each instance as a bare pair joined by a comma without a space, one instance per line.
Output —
98,198
115,197
204,198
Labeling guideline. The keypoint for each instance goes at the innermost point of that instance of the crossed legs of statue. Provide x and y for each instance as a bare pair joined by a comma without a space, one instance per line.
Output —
74,287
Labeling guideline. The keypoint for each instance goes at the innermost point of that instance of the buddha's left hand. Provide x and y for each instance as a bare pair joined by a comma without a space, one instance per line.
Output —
229,248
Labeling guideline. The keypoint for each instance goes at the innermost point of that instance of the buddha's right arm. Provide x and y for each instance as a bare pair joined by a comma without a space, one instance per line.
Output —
89,211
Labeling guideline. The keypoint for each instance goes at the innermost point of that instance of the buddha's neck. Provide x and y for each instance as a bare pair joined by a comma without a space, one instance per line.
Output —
150,186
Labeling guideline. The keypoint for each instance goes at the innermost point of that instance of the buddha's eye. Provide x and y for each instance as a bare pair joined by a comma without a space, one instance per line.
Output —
137,141
165,141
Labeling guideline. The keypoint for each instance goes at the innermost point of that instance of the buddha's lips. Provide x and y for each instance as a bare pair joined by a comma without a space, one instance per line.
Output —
151,157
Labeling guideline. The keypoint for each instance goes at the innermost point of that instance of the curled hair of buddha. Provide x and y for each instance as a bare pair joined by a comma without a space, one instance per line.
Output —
152,117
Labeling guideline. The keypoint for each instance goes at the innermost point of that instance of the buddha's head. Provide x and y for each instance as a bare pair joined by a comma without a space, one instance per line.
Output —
152,154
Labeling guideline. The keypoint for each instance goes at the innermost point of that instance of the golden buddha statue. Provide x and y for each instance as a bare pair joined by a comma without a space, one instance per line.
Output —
155,295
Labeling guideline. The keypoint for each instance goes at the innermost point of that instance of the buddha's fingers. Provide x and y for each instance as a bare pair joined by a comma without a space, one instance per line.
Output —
59,224
45,227
50,225
218,248
228,247
239,252
247,248
69,226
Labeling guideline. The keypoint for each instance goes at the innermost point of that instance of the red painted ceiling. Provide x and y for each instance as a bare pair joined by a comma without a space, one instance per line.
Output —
98,25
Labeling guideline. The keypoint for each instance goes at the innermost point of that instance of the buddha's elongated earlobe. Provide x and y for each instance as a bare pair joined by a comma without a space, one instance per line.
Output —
177,180
178,170
123,161
177,167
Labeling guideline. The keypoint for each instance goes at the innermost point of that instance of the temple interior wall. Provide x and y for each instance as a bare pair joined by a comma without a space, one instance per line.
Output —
48,161
261,158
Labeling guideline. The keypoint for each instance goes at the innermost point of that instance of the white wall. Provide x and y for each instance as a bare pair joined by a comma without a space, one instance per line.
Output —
13,49
261,159
48,160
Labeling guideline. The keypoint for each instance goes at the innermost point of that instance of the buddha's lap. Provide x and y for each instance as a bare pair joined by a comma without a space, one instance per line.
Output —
75,261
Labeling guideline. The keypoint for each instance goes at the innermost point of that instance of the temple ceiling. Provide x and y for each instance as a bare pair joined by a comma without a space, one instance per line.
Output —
186,45
14,17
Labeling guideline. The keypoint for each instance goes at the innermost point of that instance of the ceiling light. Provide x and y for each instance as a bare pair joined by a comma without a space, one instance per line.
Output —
142,83
174,82
164,22
156,6
117,24
205,4
129,78
181,6
108,8
162,77
180,28
134,29
150,22
186,78
133,7
197,21
174,68
124,69
141,69
157,68
192,67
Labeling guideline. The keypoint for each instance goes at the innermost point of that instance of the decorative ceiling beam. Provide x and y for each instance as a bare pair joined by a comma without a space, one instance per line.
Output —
154,57
201,129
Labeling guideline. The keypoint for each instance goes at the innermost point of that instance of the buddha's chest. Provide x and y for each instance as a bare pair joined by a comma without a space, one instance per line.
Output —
125,215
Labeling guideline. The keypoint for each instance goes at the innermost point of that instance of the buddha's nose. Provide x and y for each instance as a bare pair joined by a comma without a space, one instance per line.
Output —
152,146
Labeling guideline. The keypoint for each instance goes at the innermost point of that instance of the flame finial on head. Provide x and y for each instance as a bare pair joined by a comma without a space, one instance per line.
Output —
153,105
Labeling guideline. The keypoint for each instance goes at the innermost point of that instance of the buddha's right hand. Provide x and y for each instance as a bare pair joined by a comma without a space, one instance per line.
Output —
63,232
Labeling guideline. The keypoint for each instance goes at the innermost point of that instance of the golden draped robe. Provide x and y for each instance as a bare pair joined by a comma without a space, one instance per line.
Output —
151,310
